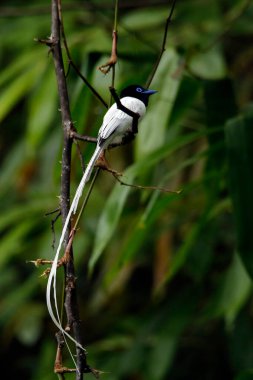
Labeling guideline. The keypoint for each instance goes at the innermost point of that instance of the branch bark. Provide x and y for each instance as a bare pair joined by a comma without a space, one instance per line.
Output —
71,305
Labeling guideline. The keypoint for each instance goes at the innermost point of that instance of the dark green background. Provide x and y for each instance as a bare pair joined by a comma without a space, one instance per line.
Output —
164,280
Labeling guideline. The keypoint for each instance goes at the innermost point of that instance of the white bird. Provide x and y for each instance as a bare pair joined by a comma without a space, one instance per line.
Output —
116,128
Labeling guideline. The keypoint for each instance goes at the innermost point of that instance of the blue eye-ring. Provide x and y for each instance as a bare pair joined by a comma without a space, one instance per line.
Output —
138,89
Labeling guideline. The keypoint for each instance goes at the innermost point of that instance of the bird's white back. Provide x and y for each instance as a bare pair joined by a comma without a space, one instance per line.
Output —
117,119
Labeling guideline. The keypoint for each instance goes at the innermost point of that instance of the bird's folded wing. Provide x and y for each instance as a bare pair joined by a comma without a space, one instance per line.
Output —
115,117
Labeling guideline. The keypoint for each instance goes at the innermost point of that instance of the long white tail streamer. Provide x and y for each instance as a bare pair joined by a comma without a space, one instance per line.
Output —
51,283
113,119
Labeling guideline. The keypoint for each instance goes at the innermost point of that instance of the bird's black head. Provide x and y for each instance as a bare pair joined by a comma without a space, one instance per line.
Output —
137,92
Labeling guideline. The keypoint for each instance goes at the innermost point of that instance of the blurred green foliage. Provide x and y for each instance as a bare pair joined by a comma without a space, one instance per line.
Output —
164,279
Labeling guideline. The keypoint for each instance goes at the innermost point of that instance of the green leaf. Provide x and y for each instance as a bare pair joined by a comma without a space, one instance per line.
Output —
16,215
41,106
13,242
156,206
17,66
209,65
142,19
187,93
28,323
115,203
239,137
233,292
17,297
19,88
11,165
152,129
109,218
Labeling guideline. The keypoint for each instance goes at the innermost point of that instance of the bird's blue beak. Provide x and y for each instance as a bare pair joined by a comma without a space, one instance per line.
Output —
149,92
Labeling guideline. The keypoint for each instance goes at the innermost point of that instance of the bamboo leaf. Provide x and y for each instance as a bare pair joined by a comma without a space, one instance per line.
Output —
232,293
152,129
18,88
115,203
13,242
209,65
142,19
16,67
42,105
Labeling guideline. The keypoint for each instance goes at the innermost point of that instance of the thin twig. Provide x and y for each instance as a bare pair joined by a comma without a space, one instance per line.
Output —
168,21
39,262
53,221
71,62
163,189
52,212
77,136
106,67
79,154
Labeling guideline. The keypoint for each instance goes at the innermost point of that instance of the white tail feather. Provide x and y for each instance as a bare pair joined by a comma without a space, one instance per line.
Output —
51,284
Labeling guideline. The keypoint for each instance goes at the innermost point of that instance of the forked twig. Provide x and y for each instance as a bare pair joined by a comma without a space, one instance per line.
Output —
53,221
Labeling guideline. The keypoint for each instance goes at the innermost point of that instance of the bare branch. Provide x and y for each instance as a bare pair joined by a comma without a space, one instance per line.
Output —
168,21
103,164
71,305
72,64
141,187
77,136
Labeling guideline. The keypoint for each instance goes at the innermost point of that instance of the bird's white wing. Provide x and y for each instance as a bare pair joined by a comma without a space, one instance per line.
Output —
114,117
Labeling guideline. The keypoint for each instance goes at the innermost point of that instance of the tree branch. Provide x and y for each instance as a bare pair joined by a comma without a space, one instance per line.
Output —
71,305
77,136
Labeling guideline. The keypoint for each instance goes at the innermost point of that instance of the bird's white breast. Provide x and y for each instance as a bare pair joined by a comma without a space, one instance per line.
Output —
134,105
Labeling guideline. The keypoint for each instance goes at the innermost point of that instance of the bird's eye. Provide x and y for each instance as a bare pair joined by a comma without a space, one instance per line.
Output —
138,89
